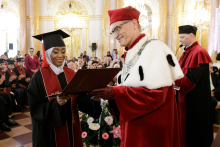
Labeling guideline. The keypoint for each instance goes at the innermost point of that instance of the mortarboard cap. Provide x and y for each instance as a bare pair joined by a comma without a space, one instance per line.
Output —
2,61
10,62
127,13
187,29
49,40
52,39
19,59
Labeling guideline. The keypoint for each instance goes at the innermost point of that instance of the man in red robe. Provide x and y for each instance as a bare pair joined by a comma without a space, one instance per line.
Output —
194,101
145,95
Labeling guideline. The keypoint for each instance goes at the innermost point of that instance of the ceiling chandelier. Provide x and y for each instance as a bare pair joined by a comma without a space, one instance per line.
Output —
140,6
200,16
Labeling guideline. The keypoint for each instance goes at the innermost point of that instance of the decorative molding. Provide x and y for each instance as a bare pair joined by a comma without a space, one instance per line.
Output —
76,9
42,18
55,4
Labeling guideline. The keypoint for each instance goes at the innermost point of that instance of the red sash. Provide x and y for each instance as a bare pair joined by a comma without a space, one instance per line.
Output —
21,71
52,86
7,89
11,73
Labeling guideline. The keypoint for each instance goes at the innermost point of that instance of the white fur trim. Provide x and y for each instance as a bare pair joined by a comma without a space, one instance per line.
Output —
157,71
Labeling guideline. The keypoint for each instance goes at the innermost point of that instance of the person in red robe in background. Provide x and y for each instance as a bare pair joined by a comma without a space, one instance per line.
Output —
145,95
193,98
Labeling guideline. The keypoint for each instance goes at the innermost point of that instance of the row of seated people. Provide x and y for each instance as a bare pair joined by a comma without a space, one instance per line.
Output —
13,91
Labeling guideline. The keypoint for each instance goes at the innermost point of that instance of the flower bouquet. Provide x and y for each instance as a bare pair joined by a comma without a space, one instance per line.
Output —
103,132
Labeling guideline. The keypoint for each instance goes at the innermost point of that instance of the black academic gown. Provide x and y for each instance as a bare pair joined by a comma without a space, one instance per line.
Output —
22,81
194,101
9,98
46,115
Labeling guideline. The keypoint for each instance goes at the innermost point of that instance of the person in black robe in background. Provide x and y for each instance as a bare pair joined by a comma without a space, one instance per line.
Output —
14,85
23,76
193,97
55,120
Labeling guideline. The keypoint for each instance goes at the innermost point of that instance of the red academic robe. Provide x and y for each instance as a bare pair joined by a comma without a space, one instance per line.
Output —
194,97
148,117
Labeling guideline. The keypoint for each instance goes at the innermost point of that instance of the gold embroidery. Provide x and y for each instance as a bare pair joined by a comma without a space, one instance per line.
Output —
13,85
3,89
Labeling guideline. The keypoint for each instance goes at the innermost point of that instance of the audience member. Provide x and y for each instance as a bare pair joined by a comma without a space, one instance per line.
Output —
85,56
71,64
90,66
81,64
65,61
31,63
94,63
116,56
100,66
18,54
6,53
38,55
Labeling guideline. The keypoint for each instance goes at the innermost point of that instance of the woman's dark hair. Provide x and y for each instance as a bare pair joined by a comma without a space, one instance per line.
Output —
38,54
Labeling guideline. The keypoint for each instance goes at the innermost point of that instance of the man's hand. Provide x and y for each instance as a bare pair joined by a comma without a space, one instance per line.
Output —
95,98
3,78
12,78
104,93
212,93
27,80
63,99
20,77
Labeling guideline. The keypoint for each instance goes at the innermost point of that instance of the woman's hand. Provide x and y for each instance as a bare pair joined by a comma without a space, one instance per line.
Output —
63,99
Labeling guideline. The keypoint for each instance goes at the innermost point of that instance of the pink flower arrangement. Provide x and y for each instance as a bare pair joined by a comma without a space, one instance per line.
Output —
116,132
109,120
84,134
81,115
80,120
90,120
105,136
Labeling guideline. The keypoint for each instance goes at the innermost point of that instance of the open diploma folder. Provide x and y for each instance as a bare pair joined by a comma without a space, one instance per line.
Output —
86,80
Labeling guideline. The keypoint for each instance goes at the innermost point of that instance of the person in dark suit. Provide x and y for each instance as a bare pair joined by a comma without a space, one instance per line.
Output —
108,62
214,82
215,93
66,61
6,53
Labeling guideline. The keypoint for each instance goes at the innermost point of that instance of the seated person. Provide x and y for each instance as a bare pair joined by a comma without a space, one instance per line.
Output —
5,90
5,110
21,73
14,84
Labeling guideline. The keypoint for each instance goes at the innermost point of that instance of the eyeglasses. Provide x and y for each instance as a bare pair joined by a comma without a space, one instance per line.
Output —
117,28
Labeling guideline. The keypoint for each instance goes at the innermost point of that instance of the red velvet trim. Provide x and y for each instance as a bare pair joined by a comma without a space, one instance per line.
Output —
21,71
133,44
11,73
193,56
45,63
52,86
22,86
127,13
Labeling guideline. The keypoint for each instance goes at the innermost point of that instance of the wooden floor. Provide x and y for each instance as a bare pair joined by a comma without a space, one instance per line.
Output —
21,135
